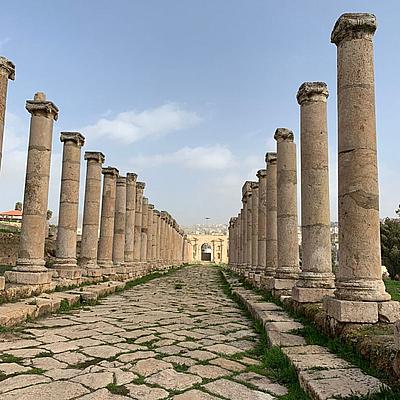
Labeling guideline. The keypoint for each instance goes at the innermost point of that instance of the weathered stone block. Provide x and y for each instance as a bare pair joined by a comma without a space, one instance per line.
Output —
389,311
351,311
310,295
29,278
2,282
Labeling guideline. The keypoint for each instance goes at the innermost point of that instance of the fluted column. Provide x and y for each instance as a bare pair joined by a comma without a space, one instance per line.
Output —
271,259
288,247
129,250
105,250
66,264
7,71
262,220
149,250
359,278
316,279
140,186
91,214
30,268
119,223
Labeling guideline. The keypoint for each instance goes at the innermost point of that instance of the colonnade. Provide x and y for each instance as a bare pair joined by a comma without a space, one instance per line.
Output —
270,228
123,236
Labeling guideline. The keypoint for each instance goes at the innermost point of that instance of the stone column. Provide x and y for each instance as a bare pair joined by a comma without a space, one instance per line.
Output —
30,268
288,269
65,263
271,259
143,247
91,214
7,71
119,224
149,250
262,220
155,238
138,224
158,222
129,250
105,251
238,251
359,279
249,229
243,266
163,231
254,229
316,279
230,242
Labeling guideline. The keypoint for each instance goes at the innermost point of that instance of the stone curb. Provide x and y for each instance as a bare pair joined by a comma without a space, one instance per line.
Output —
323,375
12,314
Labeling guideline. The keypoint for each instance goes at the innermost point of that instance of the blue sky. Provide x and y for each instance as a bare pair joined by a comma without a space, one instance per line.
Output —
187,93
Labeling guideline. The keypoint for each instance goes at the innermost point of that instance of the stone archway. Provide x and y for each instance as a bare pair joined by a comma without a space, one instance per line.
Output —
206,252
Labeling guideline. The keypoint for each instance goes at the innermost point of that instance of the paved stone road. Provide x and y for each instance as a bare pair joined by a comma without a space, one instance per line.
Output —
176,337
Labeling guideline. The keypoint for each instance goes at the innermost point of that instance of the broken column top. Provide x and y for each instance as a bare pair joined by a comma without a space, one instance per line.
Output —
76,137
270,158
121,180
312,91
354,26
140,185
8,66
40,106
246,188
261,173
94,155
110,171
131,177
283,134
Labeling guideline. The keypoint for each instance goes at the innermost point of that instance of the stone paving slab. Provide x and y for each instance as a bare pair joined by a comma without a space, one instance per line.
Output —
151,342
322,375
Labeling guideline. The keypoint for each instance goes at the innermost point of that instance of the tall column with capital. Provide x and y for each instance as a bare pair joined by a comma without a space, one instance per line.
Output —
254,230
238,250
65,263
140,186
119,224
129,249
7,71
30,268
359,282
249,229
155,239
288,269
262,220
91,214
271,259
149,250
144,228
105,251
316,279
163,231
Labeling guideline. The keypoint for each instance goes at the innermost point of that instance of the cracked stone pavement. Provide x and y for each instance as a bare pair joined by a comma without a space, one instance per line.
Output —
176,337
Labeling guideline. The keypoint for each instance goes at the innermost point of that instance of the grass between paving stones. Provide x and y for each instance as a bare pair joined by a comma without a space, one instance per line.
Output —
32,371
336,345
274,363
117,389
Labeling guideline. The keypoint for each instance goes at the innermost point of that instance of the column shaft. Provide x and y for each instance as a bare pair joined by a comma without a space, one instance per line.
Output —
129,251
119,222
262,220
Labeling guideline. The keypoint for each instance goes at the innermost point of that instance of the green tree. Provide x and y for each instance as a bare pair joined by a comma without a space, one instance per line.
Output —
390,244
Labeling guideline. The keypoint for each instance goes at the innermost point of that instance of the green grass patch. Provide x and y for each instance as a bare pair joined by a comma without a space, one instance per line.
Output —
393,288
117,389
180,367
9,358
4,268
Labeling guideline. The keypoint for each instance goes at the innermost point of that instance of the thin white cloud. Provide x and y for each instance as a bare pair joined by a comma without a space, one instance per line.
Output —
205,158
132,126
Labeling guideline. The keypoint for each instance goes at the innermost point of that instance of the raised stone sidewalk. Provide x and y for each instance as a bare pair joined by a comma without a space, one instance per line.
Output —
323,375
175,337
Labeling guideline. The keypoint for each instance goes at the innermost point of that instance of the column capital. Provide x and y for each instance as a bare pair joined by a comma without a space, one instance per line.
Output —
76,137
164,215
284,134
312,92
352,26
254,185
151,206
140,185
110,171
261,173
271,158
145,201
95,155
8,66
121,180
157,212
40,106
131,177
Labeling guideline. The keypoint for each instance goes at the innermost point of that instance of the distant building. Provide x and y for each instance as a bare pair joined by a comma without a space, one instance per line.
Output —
209,248
11,216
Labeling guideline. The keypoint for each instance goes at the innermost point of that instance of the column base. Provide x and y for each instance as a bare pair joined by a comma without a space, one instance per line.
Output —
283,286
351,311
267,282
362,290
67,268
108,271
310,295
29,278
91,272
